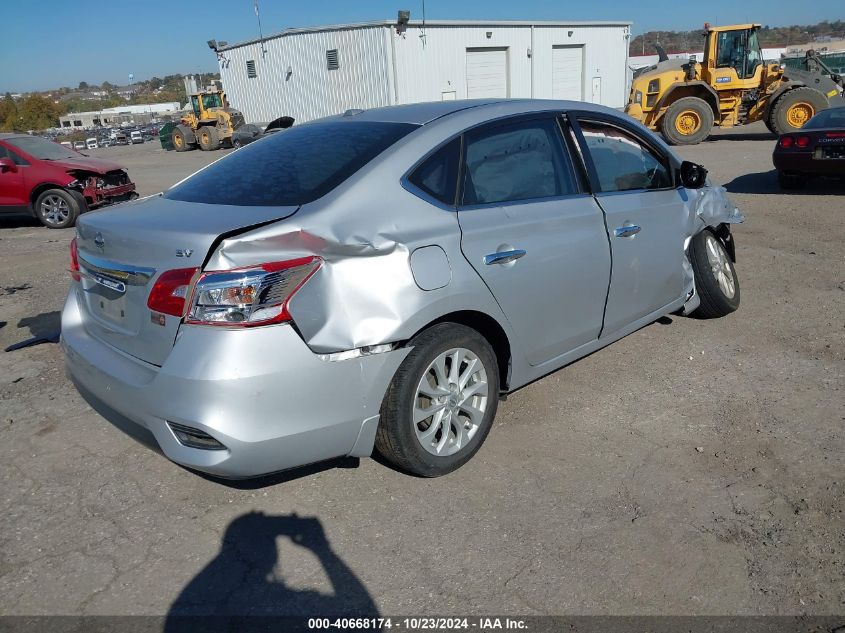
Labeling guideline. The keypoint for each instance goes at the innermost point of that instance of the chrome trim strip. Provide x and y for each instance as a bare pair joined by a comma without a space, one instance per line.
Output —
131,275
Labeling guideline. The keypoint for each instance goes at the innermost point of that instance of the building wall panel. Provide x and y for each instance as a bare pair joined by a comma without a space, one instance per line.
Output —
293,78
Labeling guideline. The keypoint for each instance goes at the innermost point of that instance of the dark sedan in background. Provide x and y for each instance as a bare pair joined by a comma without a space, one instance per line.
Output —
818,149
253,131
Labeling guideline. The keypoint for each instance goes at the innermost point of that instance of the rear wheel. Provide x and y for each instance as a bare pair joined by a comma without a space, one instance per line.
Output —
180,140
793,109
58,209
440,405
715,277
208,138
688,121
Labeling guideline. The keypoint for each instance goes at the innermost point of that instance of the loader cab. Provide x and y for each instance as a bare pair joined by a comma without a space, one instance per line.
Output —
205,101
733,57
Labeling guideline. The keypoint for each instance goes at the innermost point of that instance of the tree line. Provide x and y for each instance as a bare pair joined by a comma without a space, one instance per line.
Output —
770,37
41,110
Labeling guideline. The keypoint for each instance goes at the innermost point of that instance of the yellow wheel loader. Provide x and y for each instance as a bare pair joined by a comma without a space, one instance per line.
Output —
684,99
209,124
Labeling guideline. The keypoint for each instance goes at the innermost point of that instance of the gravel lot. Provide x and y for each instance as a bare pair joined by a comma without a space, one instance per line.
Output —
695,467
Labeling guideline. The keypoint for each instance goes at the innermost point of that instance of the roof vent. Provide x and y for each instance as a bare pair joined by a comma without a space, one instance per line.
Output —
332,60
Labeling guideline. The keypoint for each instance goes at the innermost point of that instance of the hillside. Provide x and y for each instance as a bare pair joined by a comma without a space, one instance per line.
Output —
770,37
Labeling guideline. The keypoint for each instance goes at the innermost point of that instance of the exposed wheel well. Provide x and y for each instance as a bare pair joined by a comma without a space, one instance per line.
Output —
490,329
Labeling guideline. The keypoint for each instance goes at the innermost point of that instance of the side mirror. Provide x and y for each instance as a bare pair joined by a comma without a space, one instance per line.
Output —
693,176
7,164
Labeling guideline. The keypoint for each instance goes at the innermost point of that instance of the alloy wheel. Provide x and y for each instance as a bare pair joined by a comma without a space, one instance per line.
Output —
54,210
721,267
451,399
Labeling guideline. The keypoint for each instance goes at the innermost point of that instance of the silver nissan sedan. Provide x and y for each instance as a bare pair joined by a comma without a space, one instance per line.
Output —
379,279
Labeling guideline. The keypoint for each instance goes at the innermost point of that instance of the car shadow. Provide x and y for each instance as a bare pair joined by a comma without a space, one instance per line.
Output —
766,182
742,136
243,588
17,221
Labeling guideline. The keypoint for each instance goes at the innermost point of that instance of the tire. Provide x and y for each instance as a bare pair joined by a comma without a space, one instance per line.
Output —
688,121
208,138
769,125
787,180
180,140
58,208
707,252
414,446
794,108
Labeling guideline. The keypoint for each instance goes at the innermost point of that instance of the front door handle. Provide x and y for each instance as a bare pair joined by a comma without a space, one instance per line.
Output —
627,231
503,257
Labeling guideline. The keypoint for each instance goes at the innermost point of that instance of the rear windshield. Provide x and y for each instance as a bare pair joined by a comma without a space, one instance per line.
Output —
292,167
834,117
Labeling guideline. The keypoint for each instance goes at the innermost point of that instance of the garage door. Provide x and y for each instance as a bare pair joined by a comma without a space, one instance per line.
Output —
487,73
567,72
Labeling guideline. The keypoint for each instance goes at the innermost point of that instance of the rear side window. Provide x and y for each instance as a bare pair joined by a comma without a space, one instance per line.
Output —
438,174
522,160
291,167
622,162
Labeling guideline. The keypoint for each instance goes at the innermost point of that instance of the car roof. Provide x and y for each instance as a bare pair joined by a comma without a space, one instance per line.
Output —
424,113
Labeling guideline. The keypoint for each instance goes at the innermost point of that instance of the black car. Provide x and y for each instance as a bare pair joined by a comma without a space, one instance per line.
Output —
817,149
253,131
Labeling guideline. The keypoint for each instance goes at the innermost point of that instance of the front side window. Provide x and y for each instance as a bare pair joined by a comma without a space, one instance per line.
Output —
438,174
621,161
730,50
516,161
195,104
300,165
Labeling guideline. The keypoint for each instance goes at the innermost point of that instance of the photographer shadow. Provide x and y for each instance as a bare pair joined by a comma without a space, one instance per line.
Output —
241,589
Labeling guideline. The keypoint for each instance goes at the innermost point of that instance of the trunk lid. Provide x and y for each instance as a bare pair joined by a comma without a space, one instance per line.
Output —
123,251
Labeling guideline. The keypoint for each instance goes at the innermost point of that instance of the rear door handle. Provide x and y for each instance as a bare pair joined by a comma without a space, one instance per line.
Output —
627,231
503,257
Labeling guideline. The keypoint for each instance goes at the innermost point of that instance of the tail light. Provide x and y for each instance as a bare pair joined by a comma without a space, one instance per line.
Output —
74,260
249,296
835,135
169,292
802,141
786,142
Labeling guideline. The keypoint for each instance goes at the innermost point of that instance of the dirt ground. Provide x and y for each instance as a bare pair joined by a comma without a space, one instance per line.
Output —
695,467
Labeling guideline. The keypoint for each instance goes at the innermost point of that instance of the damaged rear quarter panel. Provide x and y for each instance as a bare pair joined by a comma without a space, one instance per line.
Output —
365,231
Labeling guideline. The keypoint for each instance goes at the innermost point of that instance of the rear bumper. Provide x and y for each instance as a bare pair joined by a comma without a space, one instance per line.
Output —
260,392
804,163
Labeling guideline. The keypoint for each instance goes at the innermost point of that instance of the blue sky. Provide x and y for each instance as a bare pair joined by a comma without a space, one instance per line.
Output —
52,43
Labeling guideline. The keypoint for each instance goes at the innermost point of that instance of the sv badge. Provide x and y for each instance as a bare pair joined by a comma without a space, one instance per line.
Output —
184,252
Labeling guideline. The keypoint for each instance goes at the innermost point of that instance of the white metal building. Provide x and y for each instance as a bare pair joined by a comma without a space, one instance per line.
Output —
309,73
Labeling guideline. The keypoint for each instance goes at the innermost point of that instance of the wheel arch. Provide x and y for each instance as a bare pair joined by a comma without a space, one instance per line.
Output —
40,188
777,94
697,89
491,330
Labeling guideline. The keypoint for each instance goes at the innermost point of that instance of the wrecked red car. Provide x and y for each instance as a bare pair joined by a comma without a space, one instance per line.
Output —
55,184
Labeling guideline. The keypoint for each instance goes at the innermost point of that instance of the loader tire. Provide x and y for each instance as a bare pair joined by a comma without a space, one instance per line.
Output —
208,138
180,140
793,109
688,121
